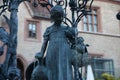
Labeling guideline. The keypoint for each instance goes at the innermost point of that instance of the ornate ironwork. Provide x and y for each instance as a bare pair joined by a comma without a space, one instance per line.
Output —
79,8
9,67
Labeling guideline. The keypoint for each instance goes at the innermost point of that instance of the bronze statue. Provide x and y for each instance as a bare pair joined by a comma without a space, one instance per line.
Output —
63,49
80,52
58,41
80,57
40,73
57,38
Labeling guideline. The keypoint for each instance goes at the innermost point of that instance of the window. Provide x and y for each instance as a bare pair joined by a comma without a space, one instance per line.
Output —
32,30
101,66
91,21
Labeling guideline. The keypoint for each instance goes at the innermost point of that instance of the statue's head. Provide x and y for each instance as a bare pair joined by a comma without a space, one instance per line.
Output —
80,40
57,14
3,39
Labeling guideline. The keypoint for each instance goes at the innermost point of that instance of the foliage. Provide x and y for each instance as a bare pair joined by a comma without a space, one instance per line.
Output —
98,79
117,78
107,76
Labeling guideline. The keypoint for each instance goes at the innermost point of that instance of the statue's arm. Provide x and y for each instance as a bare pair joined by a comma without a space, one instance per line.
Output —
40,54
44,46
45,42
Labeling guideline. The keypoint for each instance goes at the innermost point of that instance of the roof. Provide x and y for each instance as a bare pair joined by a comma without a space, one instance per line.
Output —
38,11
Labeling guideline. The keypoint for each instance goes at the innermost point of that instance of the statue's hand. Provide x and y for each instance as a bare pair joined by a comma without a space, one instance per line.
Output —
39,55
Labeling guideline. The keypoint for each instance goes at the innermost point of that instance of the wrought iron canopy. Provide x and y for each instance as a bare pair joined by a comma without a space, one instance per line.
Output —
78,8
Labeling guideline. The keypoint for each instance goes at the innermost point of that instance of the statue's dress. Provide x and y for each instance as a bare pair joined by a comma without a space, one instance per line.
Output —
58,53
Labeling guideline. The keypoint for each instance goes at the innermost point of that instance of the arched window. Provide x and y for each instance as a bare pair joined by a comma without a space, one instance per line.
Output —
21,64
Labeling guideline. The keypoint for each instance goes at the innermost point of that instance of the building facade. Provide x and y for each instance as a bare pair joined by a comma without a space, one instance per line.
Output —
100,29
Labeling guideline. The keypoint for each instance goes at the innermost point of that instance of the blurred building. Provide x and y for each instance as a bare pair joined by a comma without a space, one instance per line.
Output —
100,29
